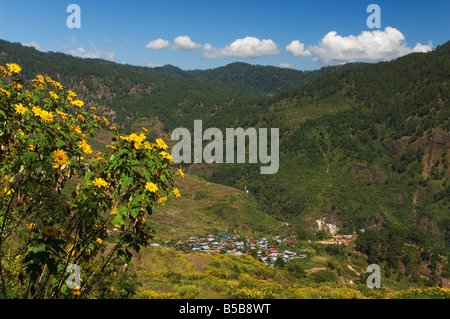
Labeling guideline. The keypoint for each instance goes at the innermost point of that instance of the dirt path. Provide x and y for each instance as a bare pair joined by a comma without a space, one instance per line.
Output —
351,268
310,271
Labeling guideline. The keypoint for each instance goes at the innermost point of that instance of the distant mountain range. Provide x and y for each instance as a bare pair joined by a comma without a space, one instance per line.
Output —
267,79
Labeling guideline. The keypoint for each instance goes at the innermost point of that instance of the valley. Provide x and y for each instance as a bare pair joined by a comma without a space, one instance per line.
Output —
363,152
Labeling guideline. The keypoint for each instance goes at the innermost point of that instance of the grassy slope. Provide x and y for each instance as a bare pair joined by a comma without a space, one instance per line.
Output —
206,207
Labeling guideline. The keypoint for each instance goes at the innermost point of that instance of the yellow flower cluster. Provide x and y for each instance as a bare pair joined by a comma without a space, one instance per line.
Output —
428,293
43,114
13,68
150,294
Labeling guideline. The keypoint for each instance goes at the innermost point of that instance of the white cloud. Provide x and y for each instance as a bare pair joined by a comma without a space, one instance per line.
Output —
107,39
35,45
296,48
423,47
158,44
370,46
249,47
183,42
287,65
154,65
93,54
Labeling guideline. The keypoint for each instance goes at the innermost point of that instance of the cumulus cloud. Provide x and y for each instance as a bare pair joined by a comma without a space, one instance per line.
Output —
370,46
93,54
158,44
296,49
423,47
248,47
183,42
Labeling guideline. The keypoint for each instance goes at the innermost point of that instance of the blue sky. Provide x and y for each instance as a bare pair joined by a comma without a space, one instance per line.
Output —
200,34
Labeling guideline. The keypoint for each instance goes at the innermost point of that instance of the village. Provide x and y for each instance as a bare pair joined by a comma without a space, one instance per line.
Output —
262,249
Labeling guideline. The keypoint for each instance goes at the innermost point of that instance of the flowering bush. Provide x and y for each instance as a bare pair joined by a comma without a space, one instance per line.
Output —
45,151
419,293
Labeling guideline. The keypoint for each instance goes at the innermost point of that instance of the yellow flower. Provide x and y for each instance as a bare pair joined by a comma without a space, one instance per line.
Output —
31,147
53,95
5,92
148,146
99,241
13,67
99,182
47,116
77,129
37,111
137,145
161,200
151,187
166,155
58,85
180,171
50,231
20,109
60,157
76,291
161,144
71,93
85,147
176,192
78,103
17,86
39,78
32,226
105,120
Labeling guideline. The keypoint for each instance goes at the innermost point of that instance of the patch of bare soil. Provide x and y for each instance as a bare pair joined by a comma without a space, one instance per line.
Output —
198,261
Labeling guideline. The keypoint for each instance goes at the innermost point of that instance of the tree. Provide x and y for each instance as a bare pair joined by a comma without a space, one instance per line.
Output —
45,154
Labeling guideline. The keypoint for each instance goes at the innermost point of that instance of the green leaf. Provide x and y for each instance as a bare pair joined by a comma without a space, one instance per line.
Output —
29,157
125,181
40,137
117,220
60,143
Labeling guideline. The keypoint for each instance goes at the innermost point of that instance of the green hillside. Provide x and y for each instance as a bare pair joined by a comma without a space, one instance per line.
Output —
364,149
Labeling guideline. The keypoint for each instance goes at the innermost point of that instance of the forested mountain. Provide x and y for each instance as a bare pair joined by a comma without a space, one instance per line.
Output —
267,79
127,92
364,147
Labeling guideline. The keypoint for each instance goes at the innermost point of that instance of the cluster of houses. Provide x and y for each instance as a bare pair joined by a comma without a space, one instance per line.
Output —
259,248
344,239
